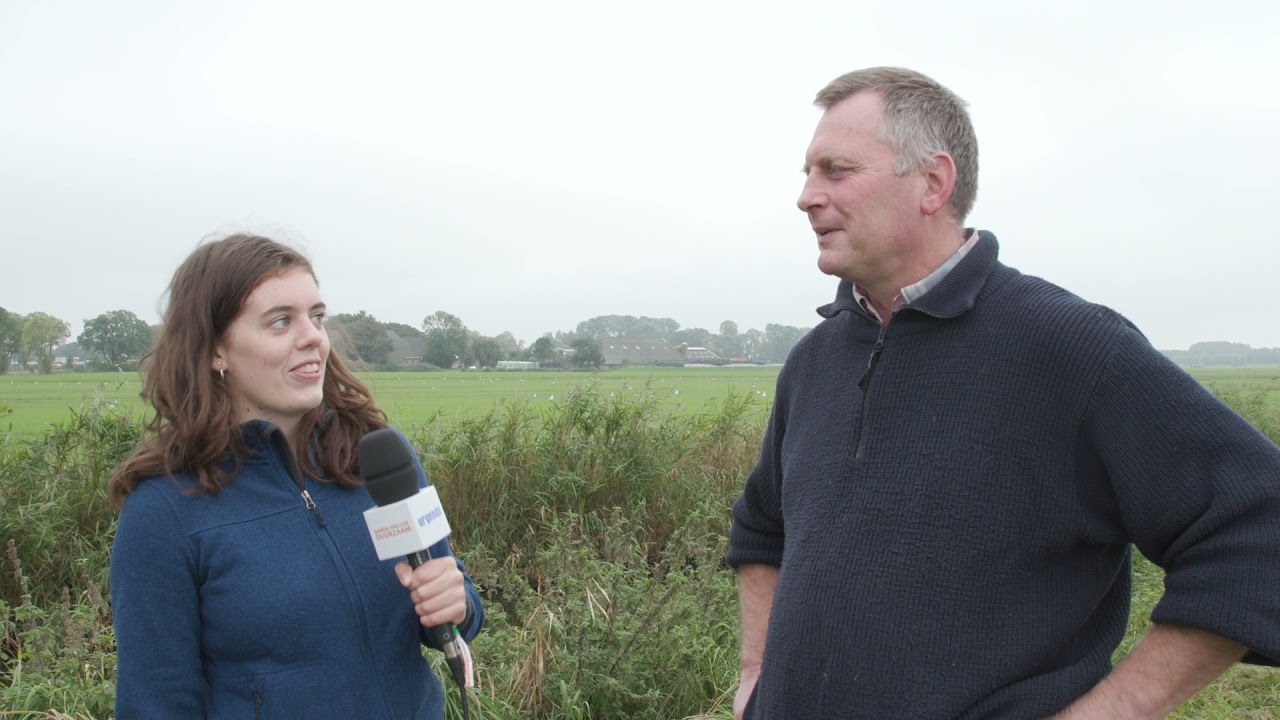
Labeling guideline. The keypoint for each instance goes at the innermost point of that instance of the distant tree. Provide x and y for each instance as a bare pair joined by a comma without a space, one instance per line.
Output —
447,339
753,345
607,326
116,336
543,349
604,326
510,345
41,333
778,341
693,337
72,350
658,327
587,354
728,344
10,337
1221,353
368,337
487,352
404,331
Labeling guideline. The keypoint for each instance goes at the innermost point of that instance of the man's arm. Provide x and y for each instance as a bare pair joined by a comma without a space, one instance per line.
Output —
1168,666
756,584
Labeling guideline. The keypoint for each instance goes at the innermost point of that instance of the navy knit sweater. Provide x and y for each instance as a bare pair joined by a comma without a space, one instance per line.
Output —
952,514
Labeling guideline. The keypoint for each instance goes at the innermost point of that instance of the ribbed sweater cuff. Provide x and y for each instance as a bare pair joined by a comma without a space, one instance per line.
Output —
747,547
1232,620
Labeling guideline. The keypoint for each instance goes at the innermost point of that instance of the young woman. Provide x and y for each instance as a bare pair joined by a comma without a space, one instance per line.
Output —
243,580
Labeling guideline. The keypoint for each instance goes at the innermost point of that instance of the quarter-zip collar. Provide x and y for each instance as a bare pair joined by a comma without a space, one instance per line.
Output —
953,296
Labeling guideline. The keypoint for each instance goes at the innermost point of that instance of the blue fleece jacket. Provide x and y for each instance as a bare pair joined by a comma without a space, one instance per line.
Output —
951,503
248,604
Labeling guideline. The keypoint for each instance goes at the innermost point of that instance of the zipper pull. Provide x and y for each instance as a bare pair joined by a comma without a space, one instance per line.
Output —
871,361
311,505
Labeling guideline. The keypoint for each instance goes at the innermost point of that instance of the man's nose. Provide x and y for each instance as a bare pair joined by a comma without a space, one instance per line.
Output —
811,195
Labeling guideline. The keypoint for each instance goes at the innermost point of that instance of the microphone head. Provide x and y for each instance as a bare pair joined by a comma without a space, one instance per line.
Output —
386,464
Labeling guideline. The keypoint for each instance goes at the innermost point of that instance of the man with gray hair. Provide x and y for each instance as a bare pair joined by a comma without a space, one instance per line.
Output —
960,457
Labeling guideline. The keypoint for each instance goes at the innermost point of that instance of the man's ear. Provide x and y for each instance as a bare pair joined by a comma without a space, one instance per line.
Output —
940,181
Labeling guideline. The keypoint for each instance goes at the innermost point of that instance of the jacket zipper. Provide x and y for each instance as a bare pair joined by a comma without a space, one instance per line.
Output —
257,705
295,473
311,505
863,383
366,633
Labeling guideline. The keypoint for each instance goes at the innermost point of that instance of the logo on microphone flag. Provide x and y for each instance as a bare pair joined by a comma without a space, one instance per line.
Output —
405,527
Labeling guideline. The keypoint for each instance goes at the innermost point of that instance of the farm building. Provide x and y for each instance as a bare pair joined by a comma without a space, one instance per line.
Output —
653,351
517,365
639,351
406,351
700,355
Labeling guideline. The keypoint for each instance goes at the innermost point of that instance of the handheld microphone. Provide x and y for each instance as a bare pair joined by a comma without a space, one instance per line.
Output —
407,521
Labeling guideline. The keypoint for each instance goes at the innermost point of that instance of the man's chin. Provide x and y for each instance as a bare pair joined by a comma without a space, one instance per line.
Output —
829,266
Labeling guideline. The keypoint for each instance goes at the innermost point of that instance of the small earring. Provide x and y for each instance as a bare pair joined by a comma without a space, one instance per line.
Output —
223,372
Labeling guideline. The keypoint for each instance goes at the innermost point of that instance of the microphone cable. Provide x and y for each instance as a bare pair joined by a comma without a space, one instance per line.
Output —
458,669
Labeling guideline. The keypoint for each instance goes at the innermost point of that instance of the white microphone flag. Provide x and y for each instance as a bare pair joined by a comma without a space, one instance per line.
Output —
406,527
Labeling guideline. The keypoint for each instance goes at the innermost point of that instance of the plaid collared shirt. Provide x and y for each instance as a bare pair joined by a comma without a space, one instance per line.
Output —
916,290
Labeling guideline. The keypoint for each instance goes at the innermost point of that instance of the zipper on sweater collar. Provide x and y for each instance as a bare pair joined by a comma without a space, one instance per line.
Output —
873,359
953,296
281,445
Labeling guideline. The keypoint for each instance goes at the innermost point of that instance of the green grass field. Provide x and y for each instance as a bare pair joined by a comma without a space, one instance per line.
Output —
413,399
410,399
34,402
1242,380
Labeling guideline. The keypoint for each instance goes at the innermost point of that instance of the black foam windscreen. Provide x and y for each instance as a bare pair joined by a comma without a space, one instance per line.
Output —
386,464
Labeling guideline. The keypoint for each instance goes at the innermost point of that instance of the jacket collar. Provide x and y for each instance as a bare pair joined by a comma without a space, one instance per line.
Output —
954,296
258,434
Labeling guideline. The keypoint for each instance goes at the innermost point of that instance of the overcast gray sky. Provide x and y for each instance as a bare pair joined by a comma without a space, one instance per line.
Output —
527,166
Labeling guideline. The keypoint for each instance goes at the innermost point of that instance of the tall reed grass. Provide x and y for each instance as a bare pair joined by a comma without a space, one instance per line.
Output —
57,651
595,529
598,529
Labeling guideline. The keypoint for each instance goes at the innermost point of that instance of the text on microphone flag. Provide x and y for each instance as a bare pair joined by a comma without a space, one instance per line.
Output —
409,526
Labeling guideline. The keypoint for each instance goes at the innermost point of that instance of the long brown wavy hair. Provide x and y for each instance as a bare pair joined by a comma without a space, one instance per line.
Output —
195,426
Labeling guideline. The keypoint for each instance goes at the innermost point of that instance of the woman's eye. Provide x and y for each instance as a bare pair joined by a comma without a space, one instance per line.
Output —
280,323
319,318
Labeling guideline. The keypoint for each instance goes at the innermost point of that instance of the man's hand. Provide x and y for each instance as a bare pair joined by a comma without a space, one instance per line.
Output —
1168,666
745,686
438,591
